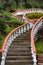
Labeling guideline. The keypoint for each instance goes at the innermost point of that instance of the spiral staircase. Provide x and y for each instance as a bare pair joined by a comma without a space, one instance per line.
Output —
19,47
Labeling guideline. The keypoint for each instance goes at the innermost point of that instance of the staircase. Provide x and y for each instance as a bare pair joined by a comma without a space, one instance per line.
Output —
19,52
18,48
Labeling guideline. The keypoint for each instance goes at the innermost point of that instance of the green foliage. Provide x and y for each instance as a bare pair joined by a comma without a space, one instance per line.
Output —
7,6
2,26
19,4
35,6
34,15
9,29
28,5
2,37
12,19
39,46
4,30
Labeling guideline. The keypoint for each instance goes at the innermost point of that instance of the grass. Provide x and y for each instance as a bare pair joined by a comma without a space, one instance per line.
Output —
34,15
39,47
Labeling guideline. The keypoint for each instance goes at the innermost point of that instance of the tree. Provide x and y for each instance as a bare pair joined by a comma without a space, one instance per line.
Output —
25,3
17,3
28,5
7,6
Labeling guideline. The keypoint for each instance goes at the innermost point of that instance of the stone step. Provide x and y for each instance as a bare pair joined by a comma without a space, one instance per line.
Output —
23,38
24,45
18,63
19,49
18,41
21,43
18,54
18,58
20,46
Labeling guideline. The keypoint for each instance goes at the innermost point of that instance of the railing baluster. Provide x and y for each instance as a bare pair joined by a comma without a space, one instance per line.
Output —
24,28
19,32
14,35
27,26
21,29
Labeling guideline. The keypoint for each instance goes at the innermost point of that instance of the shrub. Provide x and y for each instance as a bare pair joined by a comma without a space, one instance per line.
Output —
2,26
34,15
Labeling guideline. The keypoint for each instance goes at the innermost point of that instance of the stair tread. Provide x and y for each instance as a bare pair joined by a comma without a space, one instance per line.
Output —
21,41
19,48
19,61
17,54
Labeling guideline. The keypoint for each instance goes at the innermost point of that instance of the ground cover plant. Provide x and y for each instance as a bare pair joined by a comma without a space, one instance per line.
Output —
34,15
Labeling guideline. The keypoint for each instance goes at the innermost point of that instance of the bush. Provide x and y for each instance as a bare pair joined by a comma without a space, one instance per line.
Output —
9,29
34,15
2,37
2,26
39,47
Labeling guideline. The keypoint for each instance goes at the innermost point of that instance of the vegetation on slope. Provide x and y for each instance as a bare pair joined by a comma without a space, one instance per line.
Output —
4,28
39,46
9,18
39,42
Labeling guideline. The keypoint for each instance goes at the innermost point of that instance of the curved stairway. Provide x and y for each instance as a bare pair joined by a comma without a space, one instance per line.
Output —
19,52
18,48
